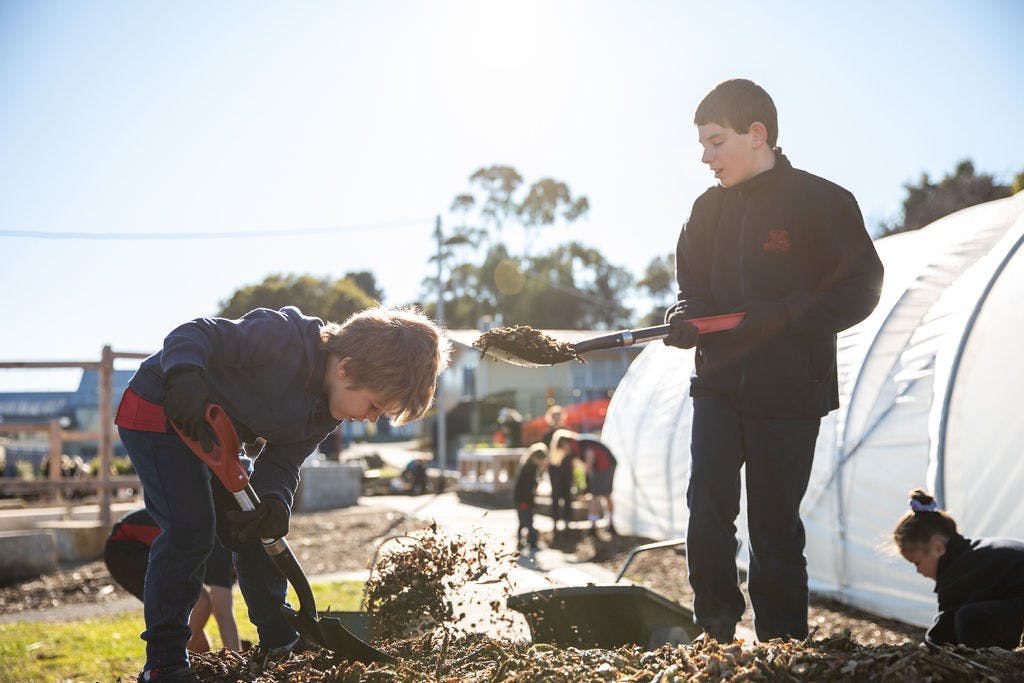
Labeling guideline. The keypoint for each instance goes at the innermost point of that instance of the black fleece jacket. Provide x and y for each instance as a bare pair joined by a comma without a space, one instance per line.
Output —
978,570
788,237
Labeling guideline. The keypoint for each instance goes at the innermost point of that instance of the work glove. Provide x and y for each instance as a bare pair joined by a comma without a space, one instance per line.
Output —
185,399
268,520
764,319
683,333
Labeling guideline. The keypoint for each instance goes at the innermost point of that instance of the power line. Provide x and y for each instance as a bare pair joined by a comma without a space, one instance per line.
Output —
231,234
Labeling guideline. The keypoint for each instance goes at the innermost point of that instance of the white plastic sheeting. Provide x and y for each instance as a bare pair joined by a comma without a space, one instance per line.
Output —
931,394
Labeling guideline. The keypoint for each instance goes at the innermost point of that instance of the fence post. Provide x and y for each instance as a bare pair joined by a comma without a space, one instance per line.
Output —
106,432
56,449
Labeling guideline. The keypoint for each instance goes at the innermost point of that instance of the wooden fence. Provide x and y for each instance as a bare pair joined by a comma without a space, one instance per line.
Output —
103,483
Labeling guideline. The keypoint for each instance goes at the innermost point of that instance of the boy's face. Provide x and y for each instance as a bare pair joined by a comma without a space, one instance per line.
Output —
346,402
733,157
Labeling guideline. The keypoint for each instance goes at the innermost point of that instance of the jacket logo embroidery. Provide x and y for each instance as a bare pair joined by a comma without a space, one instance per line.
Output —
778,241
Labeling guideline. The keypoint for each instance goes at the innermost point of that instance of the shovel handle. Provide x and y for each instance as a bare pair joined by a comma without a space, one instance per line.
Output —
622,338
222,459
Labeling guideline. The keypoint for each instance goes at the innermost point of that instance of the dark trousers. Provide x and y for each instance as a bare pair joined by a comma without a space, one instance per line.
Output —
778,454
525,512
180,498
561,493
995,623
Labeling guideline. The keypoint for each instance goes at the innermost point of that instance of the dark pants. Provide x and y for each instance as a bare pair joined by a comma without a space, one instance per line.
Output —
180,498
525,512
998,623
561,493
778,454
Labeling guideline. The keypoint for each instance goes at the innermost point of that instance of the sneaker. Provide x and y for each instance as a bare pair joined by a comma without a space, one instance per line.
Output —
262,657
177,673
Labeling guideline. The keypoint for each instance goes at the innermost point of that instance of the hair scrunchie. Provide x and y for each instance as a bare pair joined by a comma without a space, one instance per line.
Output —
918,506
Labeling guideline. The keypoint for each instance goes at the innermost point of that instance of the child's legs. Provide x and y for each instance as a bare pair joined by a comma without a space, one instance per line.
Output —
197,620
176,485
713,497
997,623
264,589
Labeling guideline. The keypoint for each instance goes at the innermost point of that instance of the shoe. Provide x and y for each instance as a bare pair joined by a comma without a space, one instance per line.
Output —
177,673
721,636
534,548
262,657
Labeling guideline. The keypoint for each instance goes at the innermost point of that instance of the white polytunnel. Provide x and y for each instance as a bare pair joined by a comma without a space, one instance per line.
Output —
931,394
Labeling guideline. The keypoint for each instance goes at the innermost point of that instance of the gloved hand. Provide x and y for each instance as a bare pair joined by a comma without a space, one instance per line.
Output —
764,319
268,520
683,334
185,399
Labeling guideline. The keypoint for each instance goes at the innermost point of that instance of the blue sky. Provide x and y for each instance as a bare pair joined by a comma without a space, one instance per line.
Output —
176,117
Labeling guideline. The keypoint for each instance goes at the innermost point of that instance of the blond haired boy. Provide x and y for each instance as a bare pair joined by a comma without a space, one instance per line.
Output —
283,376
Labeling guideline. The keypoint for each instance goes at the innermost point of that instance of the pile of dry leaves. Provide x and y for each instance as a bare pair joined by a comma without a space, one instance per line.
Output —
478,658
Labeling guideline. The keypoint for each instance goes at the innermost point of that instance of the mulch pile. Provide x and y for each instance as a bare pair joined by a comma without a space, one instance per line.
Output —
411,593
479,658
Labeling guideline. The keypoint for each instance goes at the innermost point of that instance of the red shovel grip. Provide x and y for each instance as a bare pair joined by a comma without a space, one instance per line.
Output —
223,457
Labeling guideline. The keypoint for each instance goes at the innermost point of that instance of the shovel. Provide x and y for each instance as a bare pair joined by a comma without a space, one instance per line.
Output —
510,354
327,632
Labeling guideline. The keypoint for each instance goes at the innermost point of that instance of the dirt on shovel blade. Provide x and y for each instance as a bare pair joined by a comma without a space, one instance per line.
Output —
527,343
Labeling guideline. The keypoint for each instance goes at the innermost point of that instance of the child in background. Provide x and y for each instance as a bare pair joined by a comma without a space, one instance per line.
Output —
979,582
126,554
534,462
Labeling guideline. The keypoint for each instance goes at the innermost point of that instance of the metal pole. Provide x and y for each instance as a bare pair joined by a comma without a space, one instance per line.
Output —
106,432
442,435
56,449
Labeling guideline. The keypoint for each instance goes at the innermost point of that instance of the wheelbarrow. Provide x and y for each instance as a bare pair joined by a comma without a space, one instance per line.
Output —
318,628
606,616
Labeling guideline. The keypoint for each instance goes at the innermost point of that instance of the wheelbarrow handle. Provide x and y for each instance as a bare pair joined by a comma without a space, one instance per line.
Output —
644,548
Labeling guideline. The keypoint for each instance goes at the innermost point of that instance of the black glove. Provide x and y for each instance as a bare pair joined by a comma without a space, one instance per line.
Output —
185,399
683,333
764,319
268,520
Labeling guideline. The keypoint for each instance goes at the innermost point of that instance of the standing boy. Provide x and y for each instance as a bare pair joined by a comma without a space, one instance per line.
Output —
280,375
790,250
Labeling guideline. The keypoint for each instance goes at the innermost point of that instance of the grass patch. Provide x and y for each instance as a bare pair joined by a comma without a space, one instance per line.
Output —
103,649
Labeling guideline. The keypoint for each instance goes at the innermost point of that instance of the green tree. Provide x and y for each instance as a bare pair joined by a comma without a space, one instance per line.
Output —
927,201
324,297
570,287
659,283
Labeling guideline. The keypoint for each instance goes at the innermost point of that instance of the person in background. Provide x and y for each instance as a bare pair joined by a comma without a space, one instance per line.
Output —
512,424
533,463
789,250
126,554
560,471
599,467
979,582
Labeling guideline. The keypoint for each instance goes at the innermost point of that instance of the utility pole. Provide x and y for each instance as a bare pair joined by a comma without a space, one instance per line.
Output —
441,444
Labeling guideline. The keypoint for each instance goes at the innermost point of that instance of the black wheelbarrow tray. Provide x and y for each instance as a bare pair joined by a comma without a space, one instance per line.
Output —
606,616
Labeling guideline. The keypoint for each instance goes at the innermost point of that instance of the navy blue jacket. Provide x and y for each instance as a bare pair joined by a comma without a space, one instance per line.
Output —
266,370
782,236
978,570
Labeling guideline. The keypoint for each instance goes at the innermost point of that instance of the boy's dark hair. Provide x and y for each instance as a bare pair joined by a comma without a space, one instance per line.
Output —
736,104
923,521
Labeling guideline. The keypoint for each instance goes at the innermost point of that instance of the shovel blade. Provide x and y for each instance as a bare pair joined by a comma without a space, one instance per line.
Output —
330,634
